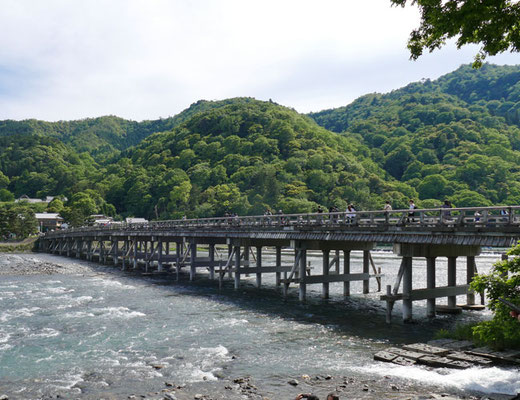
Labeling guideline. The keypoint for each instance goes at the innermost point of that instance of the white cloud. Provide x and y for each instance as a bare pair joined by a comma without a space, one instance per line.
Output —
142,59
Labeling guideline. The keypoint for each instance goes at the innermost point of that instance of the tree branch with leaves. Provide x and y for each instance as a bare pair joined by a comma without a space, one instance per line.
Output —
494,24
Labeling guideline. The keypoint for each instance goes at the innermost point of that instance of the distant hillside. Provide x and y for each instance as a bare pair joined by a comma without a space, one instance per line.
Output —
456,137
244,156
100,137
39,166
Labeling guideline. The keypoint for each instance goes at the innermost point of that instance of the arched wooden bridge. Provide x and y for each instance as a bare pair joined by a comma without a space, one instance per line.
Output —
429,233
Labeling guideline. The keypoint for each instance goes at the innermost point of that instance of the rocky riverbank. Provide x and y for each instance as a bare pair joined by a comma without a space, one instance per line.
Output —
347,388
39,263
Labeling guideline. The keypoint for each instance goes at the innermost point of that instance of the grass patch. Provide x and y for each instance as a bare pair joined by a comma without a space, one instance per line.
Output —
25,246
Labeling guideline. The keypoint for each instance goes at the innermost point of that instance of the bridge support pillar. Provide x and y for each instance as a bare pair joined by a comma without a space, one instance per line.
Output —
101,249
178,257
258,266
471,268
135,253
230,252
211,254
366,270
452,279
115,257
430,284
69,245
89,250
338,259
123,256
325,285
193,259
247,250
278,263
237,267
303,275
159,254
144,246
346,271
79,246
407,289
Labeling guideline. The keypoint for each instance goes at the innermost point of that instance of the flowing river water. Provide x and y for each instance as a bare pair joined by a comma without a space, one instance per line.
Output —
80,330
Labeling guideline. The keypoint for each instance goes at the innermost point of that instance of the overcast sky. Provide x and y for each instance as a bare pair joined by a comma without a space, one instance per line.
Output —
145,59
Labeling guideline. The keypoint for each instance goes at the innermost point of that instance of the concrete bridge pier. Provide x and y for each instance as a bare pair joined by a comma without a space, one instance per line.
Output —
366,271
237,266
302,293
278,265
431,292
430,284
258,266
346,271
326,266
159,255
211,254
115,258
471,270
134,258
193,259
178,256
452,279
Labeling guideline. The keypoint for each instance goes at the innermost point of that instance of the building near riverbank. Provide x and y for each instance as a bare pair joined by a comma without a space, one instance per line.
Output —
48,221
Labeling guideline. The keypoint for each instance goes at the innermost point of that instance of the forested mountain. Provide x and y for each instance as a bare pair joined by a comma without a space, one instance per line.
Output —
100,137
456,137
39,166
244,156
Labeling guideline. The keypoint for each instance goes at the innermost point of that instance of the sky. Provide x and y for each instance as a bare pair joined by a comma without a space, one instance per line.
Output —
150,59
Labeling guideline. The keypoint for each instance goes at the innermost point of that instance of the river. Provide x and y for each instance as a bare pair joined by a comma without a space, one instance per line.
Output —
81,330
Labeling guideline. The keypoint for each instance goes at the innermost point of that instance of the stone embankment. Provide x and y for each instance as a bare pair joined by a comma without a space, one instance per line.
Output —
448,353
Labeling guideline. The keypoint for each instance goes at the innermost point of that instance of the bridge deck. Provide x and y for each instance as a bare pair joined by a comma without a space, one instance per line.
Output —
426,233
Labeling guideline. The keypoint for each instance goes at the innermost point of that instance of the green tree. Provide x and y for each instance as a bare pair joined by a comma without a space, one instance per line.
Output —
433,187
55,206
6,195
494,24
502,281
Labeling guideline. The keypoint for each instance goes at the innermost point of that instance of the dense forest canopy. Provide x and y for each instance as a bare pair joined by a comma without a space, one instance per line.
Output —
457,137
245,156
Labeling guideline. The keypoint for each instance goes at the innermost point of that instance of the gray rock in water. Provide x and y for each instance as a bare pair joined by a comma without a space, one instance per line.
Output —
293,382
170,396
4,397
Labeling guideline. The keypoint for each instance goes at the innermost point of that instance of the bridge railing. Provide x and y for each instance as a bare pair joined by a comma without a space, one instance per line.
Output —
478,217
